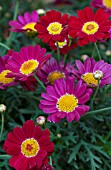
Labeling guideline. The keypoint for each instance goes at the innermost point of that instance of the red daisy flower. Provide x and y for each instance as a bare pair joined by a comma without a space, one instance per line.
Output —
29,146
52,26
63,44
23,64
89,27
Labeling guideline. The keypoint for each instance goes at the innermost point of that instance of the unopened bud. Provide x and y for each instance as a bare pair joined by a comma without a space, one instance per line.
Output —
98,74
41,11
108,52
59,135
2,108
41,120
84,57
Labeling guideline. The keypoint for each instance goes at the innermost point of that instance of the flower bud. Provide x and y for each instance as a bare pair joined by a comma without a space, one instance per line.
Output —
41,11
108,52
41,120
84,57
98,74
59,135
2,108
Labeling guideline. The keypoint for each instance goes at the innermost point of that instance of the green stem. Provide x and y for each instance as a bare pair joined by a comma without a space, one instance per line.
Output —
5,46
2,126
16,10
70,41
58,52
50,160
97,51
97,111
93,53
14,18
39,82
65,57
95,94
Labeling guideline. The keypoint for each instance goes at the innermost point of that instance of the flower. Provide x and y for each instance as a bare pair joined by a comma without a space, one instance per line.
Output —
105,4
63,45
41,120
89,27
52,71
25,23
64,99
52,26
4,80
29,84
91,71
24,63
29,146
2,108
44,167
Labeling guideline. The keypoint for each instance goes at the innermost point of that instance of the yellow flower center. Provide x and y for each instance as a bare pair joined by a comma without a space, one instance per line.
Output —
30,147
4,79
29,66
54,28
67,103
61,44
90,27
30,26
55,76
107,3
89,79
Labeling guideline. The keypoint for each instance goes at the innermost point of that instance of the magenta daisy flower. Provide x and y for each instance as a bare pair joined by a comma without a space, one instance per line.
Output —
64,99
91,71
24,63
105,4
5,81
29,146
52,71
25,23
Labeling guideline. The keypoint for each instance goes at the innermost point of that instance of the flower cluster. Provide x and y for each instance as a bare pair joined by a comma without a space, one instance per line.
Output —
68,87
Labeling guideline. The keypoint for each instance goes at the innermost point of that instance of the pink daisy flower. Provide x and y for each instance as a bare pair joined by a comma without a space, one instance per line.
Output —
25,23
5,81
29,147
105,4
52,71
64,99
25,63
91,71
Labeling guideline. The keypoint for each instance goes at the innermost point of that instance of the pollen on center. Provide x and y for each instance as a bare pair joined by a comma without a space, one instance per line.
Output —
30,147
29,66
54,28
55,76
67,103
90,27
